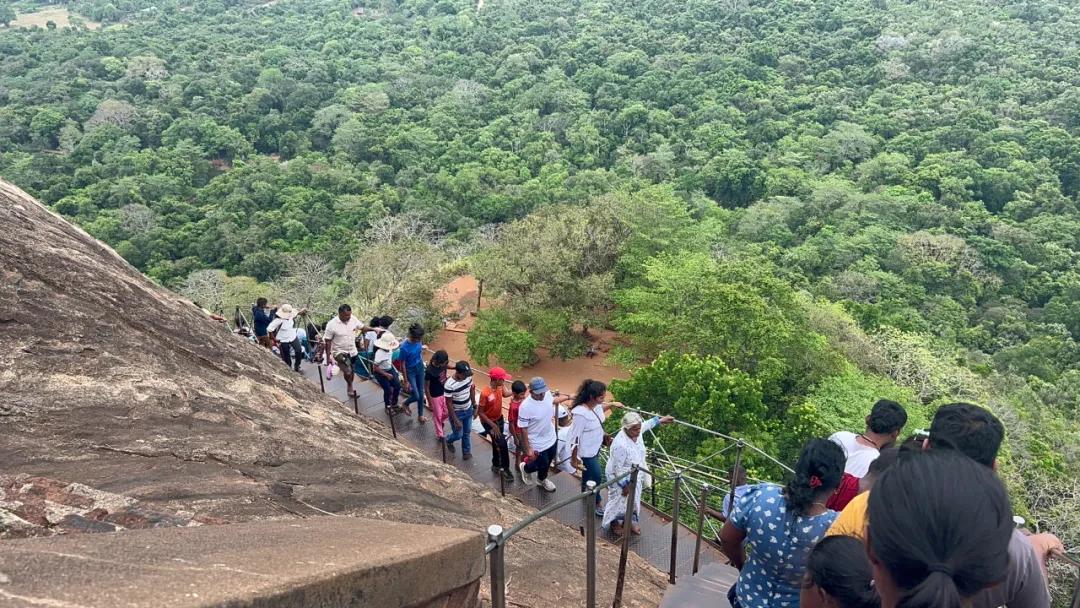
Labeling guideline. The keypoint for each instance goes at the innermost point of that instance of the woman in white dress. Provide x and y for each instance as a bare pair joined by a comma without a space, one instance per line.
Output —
627,450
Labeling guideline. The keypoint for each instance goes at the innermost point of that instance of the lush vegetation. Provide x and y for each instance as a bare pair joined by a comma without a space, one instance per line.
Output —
819,203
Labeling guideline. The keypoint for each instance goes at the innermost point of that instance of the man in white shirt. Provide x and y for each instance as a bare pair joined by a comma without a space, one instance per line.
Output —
536,418
340,336
887,418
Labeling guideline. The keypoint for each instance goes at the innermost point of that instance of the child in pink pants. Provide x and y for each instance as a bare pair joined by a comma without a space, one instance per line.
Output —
434,378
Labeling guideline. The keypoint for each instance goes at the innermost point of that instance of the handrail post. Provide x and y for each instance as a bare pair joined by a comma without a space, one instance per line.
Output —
588,508
356,404
322,386
390,415
676,491
498,567
700,525
627,522
652,488
735,469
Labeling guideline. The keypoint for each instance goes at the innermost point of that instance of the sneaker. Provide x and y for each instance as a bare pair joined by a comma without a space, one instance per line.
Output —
526,477
466,456
548,486
450,446
507,476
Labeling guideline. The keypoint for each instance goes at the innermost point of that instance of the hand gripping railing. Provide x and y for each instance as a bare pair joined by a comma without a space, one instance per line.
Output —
497,539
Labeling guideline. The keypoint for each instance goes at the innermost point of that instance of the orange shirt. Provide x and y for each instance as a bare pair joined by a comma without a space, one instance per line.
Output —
491,403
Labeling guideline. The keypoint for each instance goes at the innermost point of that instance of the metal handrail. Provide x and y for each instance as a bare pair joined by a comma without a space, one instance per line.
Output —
528,521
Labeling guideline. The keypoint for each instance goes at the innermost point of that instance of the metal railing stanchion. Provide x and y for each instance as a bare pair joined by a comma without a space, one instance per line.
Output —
700,526
675,495
738,464
628,519
498,567
652,489
393,427
356,404
588,508
322,386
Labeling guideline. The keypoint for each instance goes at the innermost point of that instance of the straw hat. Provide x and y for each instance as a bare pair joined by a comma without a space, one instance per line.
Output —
387,341
286,312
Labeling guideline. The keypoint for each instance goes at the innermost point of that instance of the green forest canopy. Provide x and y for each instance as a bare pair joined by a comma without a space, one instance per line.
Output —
854,197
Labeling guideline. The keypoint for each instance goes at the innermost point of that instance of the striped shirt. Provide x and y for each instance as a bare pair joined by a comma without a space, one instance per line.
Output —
457,392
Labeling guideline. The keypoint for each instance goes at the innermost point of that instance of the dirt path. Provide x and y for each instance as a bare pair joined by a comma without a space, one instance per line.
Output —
460,296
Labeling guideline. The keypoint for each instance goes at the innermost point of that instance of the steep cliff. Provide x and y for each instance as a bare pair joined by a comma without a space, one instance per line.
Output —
110,381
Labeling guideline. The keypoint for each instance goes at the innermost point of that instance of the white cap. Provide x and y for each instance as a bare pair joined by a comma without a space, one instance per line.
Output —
562,412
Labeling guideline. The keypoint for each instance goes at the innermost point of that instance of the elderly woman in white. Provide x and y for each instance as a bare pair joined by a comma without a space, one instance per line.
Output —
627,450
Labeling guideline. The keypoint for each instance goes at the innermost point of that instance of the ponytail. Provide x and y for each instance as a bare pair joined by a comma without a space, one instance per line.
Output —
940,523
817,475
589,389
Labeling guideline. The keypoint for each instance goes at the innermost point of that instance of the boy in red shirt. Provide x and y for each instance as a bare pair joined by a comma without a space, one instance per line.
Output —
490,413
519,391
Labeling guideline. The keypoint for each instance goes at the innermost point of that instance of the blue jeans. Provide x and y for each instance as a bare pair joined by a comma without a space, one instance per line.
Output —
592,472
465,432
415,374
391,387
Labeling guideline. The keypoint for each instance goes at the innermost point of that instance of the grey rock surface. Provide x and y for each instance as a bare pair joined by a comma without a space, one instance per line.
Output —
111,381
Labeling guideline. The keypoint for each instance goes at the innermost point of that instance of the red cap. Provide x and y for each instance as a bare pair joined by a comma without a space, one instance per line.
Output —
498,373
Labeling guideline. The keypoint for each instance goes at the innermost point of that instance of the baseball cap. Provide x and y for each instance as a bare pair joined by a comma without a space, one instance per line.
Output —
537,385
498,373
463,367
562,412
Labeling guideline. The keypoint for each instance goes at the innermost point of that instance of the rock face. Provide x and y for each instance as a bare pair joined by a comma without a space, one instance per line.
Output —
109,381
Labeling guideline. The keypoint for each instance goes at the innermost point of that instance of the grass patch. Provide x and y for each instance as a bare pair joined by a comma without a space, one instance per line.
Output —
57,14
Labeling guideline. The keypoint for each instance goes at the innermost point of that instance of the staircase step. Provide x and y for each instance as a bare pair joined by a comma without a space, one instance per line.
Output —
707,589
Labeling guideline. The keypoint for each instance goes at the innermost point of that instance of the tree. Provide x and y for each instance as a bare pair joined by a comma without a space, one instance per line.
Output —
309,282
495,335
7,14
733,179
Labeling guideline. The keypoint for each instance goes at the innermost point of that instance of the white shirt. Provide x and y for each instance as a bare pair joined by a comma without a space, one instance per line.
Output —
384,359
370,337
286,330
566,449
588,430
859,456
536,418
342,336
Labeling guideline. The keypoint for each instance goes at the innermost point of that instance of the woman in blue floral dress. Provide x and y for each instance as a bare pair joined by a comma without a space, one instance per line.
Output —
773,528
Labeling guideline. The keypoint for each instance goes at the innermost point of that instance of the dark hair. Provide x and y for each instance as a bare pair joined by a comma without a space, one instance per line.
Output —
344,308
590,389
440,357
940,523
886,458
970,429
386,321
818,473
518,387
416,331
886,417
911,444
260,302
838,565
374,322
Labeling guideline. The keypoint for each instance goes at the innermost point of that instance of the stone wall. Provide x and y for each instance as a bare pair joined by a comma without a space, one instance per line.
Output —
316,562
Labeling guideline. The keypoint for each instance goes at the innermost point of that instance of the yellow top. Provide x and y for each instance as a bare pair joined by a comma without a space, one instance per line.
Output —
852,520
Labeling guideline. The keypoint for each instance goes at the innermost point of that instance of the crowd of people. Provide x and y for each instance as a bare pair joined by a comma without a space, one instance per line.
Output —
928,524
534,430
865,521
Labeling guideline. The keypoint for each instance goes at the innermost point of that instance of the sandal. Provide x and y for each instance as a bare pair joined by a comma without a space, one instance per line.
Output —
421,419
